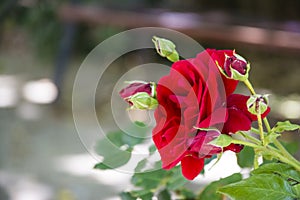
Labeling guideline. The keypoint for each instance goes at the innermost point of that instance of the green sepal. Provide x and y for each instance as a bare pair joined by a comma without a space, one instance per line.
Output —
235,75
166,48
143,101
222,140
257,104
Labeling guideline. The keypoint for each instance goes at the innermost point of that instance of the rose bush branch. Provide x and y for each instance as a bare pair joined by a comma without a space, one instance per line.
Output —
275,141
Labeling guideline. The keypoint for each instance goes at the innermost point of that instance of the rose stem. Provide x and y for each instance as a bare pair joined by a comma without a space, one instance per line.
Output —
267,125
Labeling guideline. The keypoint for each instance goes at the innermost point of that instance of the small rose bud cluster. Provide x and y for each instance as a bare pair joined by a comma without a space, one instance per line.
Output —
258,104
140,95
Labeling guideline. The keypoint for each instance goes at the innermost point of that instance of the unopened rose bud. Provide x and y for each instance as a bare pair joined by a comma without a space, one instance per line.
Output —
235,67
258,104
166,48
236,64
143,101
140,95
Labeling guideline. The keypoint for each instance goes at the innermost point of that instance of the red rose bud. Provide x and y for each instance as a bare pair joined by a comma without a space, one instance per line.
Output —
140,95
235,67
234,63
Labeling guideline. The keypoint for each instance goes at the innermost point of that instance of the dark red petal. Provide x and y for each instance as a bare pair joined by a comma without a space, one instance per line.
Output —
239,102
234,147
230,85
191,166
134,88
236,121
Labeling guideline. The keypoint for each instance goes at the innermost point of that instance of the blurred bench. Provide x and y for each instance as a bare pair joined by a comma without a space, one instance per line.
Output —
194,25
215,28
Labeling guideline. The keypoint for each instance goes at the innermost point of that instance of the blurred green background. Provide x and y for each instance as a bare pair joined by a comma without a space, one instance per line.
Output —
42,45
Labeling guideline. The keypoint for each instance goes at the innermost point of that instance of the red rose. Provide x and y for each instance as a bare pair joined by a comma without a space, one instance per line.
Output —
194,94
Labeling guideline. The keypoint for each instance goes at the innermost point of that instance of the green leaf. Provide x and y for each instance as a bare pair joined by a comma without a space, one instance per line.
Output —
115,138
164,195
210,191
246,157
137,132
141,165
291,146
133,195
177,180
113,156
145,165
127,196
296,189
185,193
148,180
287,172
262,186
142,194
285,126
222,141
152,149
114,161
116,147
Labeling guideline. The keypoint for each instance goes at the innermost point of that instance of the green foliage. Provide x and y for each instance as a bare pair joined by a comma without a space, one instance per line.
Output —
279,128
268,182
263,186
184,193
246,157
161,183
164,195
291,146
152,149
149,180
117,146
113,157
222,141
285,126
285,171
136,194
210,191
176,180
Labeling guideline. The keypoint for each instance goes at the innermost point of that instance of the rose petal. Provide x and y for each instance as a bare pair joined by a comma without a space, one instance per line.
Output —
234,147
191,166
236,121
134,88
